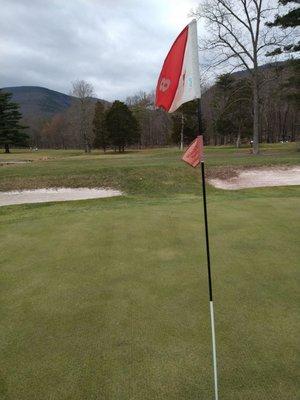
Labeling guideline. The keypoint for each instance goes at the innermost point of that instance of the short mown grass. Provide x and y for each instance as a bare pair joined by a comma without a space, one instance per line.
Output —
107,299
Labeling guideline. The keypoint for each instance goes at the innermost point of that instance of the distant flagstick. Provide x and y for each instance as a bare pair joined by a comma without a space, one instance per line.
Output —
178,83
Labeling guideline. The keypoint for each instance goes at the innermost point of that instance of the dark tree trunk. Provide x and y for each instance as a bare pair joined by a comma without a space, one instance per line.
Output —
87,146
238,139
255,114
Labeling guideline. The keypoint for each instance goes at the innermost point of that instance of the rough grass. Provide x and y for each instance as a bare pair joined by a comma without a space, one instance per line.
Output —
107,299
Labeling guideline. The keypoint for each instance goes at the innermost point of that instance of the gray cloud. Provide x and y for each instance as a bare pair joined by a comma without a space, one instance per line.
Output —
117,45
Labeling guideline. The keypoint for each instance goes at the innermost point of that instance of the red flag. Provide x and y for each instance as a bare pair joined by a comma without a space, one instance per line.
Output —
179,80
194,153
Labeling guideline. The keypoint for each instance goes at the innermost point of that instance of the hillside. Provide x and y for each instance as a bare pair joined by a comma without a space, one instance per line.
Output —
40,102
272,66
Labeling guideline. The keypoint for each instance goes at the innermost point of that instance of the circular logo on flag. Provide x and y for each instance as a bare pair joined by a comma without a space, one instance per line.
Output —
164,84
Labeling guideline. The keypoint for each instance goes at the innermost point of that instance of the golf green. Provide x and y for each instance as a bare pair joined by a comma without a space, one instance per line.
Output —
107,298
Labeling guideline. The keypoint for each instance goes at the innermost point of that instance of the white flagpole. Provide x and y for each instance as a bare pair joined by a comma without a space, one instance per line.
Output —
213,337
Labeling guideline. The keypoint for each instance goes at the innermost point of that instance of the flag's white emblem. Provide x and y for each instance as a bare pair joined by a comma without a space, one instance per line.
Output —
164,84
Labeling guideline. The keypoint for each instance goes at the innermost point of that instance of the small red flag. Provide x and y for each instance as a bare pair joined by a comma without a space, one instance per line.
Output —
194,153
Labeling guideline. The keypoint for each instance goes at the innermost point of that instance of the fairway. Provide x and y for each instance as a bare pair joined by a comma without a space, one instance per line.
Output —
107,298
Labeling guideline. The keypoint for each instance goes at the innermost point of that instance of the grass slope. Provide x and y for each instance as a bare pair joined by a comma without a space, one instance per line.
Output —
107,299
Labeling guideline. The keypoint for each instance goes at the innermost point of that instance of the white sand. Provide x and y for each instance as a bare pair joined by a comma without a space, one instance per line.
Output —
260,178
57,194
13,162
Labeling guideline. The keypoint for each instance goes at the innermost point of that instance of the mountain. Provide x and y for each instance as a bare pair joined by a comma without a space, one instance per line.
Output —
40,102
265,67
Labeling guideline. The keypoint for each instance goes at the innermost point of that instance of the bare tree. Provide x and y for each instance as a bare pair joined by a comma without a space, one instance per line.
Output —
55,132
84,91
238,36
155,124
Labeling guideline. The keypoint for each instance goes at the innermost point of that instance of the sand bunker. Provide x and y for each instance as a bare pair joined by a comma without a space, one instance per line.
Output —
14,162
260,178
57,194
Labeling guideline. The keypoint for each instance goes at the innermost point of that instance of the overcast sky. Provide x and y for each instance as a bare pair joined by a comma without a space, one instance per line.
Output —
117,45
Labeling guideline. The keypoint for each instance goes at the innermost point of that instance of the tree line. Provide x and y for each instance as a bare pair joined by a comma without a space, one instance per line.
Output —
227,111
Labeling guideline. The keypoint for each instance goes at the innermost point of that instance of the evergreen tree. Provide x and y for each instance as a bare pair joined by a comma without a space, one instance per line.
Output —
122,126
289,20
11,132
185,119
291,89
232,108
101,136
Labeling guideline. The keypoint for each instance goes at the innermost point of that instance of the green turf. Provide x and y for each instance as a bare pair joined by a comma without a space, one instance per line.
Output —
107,299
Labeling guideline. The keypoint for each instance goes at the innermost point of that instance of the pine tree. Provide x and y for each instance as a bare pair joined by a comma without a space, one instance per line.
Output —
11,132
289,20
122,126
290,88
101,136
232,108
185,120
